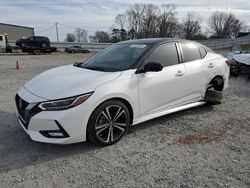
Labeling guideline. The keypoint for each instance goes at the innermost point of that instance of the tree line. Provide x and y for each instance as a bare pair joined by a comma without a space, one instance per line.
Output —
151,21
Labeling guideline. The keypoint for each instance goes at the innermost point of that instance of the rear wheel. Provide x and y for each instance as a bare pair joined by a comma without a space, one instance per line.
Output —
108,123
213,95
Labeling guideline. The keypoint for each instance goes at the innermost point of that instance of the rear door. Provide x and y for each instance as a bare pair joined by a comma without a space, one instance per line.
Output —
162,90
199,70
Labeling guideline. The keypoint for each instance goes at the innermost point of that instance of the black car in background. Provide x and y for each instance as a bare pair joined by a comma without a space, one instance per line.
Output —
36,45
38,41
76,49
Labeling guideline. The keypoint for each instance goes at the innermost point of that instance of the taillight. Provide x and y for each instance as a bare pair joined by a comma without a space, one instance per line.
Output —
228,62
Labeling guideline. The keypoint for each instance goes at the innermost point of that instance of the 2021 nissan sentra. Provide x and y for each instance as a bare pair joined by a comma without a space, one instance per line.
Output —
122,85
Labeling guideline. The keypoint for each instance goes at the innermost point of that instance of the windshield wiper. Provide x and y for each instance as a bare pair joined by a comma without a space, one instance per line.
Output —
94,68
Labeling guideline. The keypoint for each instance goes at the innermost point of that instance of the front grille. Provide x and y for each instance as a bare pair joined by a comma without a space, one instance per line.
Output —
21,106
26,110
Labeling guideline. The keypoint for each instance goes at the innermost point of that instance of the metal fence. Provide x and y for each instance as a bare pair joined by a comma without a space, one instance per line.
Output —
215,44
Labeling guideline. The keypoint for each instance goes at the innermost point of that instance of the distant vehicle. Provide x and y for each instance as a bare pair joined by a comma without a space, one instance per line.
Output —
34,41
76,49
4,44
240,60
36,45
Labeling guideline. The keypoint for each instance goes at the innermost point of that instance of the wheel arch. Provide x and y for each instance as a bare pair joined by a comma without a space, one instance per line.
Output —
217,83
124,101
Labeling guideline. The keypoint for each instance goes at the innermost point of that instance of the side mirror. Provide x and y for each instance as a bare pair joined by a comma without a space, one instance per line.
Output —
150,67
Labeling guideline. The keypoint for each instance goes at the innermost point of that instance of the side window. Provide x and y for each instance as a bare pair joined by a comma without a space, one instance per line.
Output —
1,38
190,51
165,55
203,52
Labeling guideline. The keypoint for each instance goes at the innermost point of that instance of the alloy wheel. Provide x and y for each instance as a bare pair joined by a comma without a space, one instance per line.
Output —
111,124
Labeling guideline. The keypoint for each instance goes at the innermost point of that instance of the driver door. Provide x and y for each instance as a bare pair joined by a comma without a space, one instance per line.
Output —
166,89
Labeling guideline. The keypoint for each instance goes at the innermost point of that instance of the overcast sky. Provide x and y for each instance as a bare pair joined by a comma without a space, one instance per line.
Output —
95,15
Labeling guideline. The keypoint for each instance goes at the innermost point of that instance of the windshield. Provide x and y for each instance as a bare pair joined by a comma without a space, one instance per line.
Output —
236,48
247,51
116,58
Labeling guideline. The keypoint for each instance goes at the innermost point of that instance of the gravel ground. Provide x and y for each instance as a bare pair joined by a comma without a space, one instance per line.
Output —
200,147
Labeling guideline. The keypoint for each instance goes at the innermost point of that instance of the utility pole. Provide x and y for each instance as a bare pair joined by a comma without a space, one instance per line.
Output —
57,32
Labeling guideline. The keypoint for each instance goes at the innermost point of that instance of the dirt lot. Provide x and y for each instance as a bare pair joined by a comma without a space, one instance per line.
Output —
200,147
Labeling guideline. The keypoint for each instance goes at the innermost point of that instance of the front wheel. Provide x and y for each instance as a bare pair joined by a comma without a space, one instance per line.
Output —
108,123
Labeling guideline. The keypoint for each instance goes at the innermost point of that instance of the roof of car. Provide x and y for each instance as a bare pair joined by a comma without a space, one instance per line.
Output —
151,41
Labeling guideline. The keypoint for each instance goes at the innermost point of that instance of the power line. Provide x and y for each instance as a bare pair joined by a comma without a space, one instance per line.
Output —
46,30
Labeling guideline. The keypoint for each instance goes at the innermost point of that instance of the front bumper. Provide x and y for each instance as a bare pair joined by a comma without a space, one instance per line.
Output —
57,127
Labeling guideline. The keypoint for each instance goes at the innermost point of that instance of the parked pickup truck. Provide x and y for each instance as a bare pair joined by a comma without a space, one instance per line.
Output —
36,45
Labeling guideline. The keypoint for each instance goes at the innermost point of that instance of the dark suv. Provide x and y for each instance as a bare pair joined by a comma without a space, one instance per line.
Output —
38,41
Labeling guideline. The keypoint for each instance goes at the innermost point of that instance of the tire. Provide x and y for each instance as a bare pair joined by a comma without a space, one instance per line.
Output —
213,97
103,131
37,52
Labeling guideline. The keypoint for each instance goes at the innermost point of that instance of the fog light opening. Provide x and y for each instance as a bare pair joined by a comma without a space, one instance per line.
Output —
56,134
61,133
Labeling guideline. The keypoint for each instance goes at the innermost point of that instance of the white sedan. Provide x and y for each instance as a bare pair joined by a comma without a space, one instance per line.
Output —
121,86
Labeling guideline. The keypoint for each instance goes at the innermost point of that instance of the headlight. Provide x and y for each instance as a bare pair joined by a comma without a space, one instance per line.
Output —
63,104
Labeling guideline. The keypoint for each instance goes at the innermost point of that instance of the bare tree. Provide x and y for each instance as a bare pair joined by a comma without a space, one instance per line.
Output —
102,36
148,20
135,15
120,20
191,25
224,24
92,38
167,22
70,37
150,17
81,35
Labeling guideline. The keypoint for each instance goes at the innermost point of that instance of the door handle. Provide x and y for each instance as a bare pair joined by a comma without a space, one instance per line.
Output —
179,73
210,65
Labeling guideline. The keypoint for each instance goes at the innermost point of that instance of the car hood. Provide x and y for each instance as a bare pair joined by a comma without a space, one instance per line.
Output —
242,58
68,81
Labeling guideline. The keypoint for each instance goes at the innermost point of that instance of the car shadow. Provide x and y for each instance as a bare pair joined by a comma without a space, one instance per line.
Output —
17,150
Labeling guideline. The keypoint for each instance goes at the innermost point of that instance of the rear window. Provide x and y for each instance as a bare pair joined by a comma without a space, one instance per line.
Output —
203,52
190,52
